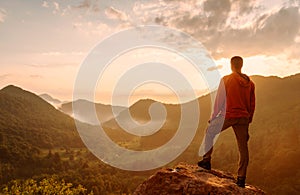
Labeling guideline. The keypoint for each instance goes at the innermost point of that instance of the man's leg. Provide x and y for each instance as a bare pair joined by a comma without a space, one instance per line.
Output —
242,136
213,129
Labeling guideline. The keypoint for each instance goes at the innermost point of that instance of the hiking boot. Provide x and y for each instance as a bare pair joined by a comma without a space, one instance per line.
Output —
241,182
204,164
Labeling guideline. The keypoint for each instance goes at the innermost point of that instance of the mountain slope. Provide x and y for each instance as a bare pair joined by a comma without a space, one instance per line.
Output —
28,123
39,142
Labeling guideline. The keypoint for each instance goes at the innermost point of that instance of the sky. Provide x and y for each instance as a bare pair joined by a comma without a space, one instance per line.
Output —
44,43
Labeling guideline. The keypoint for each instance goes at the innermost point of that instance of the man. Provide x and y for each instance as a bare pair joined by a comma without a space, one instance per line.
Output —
234,107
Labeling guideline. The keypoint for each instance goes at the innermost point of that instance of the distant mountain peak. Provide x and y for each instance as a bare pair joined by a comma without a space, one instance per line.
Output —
16,91
11,88
50,99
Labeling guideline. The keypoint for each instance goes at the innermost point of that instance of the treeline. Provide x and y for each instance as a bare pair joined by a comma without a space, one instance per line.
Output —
76,166
49,186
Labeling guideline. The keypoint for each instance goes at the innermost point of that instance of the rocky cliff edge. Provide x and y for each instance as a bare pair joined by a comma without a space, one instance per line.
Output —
187,179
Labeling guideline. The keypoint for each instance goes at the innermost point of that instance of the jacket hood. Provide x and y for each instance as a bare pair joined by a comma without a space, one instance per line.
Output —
243,79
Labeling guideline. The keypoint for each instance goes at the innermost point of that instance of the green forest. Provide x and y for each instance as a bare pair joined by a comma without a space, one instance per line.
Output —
39,143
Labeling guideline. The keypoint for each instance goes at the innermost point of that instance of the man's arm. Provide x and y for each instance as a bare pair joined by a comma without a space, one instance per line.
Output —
220,101
252,102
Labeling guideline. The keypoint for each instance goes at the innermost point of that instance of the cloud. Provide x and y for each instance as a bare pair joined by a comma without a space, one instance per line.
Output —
56,7
88,5
246,6
212,68
36,76
56,65
114,13
4,76
226,27
53,53
270,35
3,14
217,12
93,28
45,4
84,4
57,53
293,52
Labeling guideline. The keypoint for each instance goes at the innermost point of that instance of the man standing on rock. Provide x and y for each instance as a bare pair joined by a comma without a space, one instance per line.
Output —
234,107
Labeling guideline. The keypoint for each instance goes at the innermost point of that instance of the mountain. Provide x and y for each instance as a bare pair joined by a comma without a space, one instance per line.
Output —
104,112
28,123
39,143
140,114
274,135
55,102
189,179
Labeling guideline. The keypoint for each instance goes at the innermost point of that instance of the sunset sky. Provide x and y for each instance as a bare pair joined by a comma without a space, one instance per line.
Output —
43,43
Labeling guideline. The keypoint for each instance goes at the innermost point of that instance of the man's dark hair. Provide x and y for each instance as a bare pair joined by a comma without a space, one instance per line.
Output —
237,62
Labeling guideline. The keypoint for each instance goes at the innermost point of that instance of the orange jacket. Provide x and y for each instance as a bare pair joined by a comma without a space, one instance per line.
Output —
235,97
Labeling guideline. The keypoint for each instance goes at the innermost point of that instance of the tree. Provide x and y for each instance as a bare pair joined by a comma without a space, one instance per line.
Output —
46,186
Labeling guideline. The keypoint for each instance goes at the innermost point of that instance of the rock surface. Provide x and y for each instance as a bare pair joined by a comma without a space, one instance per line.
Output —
190,179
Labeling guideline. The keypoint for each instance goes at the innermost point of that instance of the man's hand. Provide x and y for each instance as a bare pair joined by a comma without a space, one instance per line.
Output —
250,119
214,116
211,119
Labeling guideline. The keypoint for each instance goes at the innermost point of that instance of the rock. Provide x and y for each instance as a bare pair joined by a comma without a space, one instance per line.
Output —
187,179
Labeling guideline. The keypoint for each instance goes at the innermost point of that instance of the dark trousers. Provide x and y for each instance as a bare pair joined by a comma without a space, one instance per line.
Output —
240,127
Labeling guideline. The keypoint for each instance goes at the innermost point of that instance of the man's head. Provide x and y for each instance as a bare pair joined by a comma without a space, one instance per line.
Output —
236,63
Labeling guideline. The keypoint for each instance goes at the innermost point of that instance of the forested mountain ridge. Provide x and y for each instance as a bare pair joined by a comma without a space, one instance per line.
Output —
30,118
42,140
